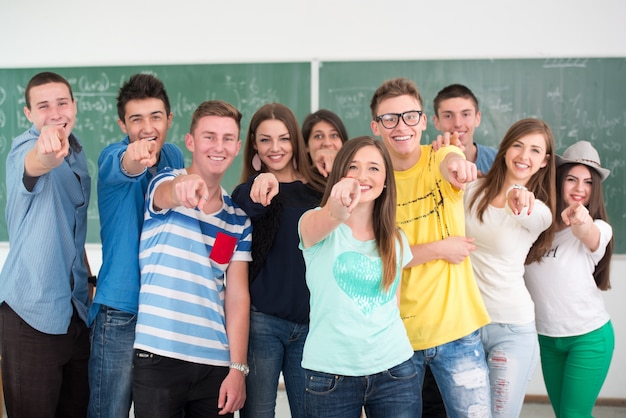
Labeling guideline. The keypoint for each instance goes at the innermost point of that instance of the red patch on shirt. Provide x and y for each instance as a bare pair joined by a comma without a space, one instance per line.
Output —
223,248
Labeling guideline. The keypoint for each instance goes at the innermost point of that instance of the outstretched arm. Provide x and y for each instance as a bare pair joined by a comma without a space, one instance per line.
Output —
315,225
51,148
578,218
457,170
187,190
138,156
324,159
264,188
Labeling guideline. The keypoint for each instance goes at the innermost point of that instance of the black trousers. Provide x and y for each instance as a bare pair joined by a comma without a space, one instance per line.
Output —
432,402
44,375
164,387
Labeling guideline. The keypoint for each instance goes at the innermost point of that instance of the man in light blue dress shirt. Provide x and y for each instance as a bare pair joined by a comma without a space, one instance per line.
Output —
44,293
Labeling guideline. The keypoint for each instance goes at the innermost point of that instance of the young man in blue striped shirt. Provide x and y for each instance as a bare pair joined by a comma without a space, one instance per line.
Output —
192,328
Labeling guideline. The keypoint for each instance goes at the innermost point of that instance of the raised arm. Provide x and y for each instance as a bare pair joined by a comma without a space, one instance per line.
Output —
324,159
578,218
187,190
138,156
264,188
51,148
457,170
315,225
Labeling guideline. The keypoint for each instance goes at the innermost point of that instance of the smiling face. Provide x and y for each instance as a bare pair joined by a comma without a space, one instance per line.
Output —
214,144
403,141
577,185
368,167
459,115
323,136
273,144
51,104
525,157
146,119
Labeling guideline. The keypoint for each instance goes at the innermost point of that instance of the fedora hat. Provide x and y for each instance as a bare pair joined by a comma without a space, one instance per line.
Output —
582,152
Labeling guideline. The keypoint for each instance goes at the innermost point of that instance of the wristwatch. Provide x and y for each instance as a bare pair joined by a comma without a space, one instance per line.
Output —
243,368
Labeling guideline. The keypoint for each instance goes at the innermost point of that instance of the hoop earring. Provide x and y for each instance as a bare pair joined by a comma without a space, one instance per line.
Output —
256,162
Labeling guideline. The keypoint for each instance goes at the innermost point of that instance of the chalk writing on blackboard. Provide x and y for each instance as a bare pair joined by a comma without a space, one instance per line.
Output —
349,102
565,63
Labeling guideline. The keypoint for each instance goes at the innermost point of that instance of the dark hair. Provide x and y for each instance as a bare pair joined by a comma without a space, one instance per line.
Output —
323,115
141,86
454,91
42,78
597,210
282,113
394,88
214,108
385,230
542,183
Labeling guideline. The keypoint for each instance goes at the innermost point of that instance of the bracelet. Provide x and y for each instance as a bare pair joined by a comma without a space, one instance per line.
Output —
515,186
92,280
126,173
243,368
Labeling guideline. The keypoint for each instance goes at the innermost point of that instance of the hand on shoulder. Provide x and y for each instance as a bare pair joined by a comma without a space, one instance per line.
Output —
447,139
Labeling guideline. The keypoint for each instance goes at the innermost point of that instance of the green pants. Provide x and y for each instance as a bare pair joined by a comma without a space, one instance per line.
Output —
574,369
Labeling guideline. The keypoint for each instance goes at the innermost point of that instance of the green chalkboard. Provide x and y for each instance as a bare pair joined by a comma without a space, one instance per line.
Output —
246,86
581,98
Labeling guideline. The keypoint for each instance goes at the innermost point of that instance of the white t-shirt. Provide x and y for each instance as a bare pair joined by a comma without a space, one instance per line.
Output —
567,300
503,240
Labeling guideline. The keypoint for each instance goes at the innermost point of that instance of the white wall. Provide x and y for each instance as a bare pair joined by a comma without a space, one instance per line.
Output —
75,33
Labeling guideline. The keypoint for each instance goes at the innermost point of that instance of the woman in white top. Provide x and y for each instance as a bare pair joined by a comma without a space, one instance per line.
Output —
508,215
576,336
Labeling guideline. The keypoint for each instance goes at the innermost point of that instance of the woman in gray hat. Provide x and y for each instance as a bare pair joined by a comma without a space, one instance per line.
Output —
576,336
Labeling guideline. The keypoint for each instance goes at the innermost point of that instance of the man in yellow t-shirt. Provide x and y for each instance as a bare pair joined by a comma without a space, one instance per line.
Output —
440,303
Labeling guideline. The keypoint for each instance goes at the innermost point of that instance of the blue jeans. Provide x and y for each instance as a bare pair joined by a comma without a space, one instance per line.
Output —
512,355
274,345
461,373
391,393
111,363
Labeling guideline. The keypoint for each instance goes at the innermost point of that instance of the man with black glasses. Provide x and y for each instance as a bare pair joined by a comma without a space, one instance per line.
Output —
440,303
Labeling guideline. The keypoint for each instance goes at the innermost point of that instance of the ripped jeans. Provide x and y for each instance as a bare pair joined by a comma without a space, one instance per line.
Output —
512,356
461,373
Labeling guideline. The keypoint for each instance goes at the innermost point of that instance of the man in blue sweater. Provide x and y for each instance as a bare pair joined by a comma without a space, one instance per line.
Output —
124,170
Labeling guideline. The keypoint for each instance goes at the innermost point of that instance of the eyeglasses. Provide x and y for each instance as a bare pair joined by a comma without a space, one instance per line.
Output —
391,120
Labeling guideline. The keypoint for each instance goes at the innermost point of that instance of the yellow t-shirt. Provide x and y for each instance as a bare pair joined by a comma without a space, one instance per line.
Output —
440,302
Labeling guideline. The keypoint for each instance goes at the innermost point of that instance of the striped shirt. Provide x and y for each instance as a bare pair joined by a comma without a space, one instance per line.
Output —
183,257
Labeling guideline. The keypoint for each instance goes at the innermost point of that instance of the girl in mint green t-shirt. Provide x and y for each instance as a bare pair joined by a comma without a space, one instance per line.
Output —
357,354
